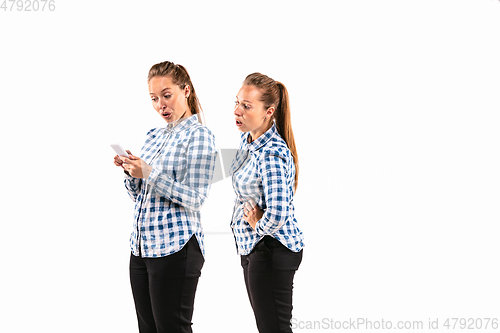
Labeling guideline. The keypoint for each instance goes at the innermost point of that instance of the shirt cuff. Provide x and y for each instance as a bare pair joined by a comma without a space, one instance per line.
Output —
259,228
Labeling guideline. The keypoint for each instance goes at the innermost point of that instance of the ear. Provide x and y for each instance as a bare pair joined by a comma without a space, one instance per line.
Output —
270,112
187,90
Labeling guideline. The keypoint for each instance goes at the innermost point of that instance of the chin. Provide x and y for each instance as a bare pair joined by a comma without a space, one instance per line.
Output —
171,119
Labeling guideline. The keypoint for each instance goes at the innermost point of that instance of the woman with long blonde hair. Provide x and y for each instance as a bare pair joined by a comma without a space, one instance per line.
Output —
169,183
265,177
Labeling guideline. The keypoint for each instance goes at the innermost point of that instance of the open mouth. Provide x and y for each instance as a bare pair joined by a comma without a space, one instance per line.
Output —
238,123
166,114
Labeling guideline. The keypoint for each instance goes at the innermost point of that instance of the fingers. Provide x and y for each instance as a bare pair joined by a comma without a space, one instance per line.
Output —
118,161
248,209
251,203
133,158
135,166
124,160
252,213
245,209
130,157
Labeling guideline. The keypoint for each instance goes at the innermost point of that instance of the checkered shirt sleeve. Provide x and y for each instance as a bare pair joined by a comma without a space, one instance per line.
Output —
191,187
277,193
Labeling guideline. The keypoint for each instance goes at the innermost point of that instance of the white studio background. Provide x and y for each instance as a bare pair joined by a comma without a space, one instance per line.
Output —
395,112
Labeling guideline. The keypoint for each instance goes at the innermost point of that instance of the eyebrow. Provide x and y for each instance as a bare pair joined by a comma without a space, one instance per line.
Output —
152,93
244,100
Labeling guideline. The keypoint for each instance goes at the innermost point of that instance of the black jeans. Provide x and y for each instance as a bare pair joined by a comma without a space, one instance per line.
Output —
164,289
268,271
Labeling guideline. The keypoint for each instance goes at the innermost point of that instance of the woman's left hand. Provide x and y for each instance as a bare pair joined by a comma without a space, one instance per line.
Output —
136,167
252,213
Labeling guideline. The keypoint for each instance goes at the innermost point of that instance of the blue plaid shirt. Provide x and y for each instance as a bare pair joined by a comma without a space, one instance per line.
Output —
264,172
168,203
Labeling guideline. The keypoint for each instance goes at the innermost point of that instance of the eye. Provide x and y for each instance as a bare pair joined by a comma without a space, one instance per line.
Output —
154,99
246,106
168,96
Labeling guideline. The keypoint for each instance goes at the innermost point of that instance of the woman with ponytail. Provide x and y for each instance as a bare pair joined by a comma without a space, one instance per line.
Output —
265,177
169,183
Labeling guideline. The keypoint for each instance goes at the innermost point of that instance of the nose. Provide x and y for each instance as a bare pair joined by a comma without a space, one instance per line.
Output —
237,110
162,105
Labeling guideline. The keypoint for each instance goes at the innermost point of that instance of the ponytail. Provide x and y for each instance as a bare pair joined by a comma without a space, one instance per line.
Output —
284,126
275,94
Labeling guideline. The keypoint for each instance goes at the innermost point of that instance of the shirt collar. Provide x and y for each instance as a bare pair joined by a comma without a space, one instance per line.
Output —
182,123
261,140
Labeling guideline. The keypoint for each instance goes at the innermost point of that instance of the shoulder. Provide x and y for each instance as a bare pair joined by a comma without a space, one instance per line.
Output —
200,137
199,130
276,147
273,157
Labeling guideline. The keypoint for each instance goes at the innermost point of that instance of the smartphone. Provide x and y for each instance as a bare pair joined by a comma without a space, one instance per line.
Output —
119,150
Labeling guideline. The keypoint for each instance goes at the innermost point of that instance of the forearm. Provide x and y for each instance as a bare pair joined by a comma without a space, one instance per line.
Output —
272,220
190,197
185,178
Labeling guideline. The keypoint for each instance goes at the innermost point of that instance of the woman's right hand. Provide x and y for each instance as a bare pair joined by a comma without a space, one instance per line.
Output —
118,161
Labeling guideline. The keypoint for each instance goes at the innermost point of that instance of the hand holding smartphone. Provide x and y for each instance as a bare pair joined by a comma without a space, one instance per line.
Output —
121,152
